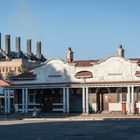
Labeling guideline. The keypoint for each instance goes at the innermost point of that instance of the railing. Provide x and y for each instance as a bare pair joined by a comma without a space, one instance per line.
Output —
57,107
18,107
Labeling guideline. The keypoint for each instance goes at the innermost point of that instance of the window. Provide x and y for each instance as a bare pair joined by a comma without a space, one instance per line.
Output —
138,96
6,69
121,95
31,98
124,97
118,97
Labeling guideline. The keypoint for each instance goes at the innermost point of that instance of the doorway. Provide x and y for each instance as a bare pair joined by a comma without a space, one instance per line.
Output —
103,100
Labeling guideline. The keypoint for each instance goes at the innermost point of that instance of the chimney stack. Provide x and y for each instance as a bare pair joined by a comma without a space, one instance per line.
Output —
7,44
18,45
120,51
28,46
38,50
69,55
0,40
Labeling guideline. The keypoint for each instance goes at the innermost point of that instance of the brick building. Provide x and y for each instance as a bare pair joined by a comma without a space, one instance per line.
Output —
13,62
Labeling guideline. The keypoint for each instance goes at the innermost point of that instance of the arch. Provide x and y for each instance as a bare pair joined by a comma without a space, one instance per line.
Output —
137,89
121,94
52,59
115,57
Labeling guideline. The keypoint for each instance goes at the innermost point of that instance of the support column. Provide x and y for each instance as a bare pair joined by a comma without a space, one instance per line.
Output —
67,106
26,100
87,102
132,99
64,100
5,101
128,99
8,101
23,100
83,101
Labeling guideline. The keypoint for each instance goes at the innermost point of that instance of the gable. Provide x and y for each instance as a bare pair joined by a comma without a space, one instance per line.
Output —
115,68
53,71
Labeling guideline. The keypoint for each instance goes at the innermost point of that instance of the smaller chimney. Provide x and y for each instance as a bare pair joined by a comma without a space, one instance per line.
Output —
18,45
120,51
7,44
69,55
38,50
28,46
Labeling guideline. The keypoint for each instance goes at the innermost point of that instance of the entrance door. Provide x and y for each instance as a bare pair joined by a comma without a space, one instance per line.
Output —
103,100
48,101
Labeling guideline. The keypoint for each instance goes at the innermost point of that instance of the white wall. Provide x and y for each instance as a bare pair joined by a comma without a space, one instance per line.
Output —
111,69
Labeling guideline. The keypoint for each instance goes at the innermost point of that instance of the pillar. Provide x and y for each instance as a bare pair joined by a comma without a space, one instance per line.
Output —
128,99
23,101
64,100
8,101
87,102
26,100
132,99
67,107
5,101
83,100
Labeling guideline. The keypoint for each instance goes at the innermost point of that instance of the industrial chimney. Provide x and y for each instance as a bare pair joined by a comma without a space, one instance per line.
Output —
18,45
38,50
0,40
28,47
7,44
69,55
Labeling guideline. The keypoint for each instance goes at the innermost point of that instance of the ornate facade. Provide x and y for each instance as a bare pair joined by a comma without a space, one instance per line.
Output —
108,85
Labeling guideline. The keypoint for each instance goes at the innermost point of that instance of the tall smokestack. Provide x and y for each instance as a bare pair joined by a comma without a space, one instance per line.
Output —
28,46
0,40
18,44
38,50
7,44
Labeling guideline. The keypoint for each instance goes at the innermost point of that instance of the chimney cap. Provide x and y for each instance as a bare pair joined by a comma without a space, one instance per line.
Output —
69,48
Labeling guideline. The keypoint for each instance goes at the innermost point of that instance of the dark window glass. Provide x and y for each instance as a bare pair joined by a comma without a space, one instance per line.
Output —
123,96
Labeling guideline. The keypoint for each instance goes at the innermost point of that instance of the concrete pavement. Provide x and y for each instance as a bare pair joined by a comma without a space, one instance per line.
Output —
67,117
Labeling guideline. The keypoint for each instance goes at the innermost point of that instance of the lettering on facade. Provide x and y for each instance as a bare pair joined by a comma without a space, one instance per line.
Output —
112,73
54,76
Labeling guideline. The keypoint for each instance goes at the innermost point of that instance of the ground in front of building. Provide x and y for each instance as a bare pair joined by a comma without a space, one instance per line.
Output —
119,129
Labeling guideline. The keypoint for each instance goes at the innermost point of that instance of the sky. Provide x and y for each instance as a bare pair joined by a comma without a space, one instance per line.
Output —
92,28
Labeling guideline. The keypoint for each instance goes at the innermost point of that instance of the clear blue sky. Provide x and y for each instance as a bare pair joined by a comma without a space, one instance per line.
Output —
92,28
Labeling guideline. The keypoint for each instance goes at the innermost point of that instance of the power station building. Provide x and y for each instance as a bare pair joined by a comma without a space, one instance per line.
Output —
13,62
107,85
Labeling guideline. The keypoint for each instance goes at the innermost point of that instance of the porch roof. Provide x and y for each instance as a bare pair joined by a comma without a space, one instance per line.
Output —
4,83
24,76
76,84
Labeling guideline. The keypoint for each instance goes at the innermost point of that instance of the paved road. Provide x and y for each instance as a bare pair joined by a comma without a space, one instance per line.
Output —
70,130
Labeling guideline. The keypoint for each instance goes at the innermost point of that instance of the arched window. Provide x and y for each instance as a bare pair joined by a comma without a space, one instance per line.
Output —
137,99
121,95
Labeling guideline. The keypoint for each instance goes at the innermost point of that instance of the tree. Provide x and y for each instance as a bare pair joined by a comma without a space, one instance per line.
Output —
22,69
10,74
